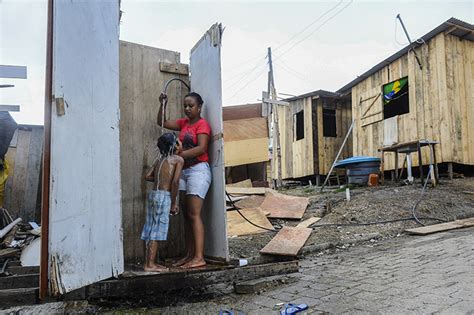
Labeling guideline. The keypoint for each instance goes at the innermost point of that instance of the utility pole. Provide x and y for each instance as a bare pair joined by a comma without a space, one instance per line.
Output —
272,95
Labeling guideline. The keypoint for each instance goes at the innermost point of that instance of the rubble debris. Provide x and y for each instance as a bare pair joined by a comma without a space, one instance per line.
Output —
10,226
30,255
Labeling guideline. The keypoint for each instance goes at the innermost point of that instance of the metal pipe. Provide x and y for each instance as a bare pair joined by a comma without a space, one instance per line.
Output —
165,87
409,40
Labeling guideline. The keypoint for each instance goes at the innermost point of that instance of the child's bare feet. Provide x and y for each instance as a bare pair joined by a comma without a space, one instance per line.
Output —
194,263
155,268
182,261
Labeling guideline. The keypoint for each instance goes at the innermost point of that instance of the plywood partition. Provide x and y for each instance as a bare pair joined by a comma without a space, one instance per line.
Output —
23,184
441,102
246,141
205,67
85,226
141,83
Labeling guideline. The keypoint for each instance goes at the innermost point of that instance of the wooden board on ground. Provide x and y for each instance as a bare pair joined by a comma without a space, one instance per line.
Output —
237,225
243,184
308,222
288,241
250,202
457,224
283,206
245,191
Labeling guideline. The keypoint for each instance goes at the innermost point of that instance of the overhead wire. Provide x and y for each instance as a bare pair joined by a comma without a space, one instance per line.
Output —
308,26
318,28
245,75
293,36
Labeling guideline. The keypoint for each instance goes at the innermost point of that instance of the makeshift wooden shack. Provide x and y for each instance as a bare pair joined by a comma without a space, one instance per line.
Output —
245,144
312,128
100,137
23,186
144,71
399,101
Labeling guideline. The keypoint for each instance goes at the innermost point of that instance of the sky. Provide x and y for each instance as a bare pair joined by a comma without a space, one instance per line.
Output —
315,44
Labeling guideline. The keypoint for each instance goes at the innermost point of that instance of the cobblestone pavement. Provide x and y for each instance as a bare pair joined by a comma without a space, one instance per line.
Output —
407,275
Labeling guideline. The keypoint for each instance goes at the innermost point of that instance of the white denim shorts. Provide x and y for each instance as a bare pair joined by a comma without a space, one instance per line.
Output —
195,180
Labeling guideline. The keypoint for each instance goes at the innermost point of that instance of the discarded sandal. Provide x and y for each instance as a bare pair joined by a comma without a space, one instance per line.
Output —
293,309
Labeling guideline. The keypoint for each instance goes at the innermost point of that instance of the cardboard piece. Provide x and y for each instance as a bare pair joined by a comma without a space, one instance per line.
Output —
237,225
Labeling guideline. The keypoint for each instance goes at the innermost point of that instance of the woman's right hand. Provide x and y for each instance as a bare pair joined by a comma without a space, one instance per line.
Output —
163,98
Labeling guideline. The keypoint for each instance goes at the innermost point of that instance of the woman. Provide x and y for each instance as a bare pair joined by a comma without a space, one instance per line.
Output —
195,180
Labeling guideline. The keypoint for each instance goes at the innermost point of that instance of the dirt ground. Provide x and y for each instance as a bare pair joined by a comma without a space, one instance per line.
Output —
448,201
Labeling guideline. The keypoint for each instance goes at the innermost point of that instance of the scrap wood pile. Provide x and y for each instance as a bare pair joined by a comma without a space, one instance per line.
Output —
18,240
254,210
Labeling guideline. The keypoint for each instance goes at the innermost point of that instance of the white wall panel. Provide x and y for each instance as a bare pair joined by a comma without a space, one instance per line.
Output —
85,211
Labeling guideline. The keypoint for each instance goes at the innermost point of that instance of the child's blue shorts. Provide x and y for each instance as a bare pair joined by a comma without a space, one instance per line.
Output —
158,205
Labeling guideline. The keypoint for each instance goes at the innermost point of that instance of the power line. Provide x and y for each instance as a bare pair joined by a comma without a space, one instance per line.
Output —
308,26
319,27
243,87
240,74
242,79
293,36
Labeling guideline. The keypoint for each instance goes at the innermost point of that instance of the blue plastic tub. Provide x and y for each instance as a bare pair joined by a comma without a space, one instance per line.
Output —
358,168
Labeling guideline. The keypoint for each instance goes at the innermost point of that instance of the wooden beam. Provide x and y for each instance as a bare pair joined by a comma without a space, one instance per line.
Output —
275,102
20,281
9,108
13,72
245,191
450,30
457,224
165,282
17,297
177,68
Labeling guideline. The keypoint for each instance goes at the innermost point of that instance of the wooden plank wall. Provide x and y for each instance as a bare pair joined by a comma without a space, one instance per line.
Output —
309,156
245,141
302,149
141,83
329,146
22,190
441,102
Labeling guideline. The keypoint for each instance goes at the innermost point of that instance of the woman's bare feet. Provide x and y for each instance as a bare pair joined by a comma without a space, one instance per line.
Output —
194,263
155,268
182,261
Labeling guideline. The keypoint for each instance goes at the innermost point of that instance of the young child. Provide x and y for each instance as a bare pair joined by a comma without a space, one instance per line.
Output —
161,201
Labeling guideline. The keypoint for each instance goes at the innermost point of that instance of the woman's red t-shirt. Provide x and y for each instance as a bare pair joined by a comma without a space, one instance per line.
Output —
188,136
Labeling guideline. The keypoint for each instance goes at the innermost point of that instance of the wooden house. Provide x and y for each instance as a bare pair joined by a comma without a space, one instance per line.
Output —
437,104
312,129
245,143
23,187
